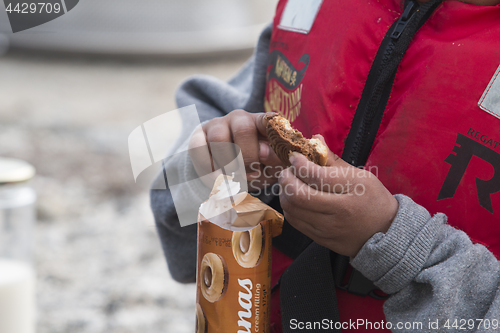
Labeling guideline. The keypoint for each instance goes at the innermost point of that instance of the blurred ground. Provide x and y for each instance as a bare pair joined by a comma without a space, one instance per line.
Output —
99,262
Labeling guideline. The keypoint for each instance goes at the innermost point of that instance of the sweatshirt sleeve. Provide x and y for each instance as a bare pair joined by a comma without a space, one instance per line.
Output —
212,98
436,276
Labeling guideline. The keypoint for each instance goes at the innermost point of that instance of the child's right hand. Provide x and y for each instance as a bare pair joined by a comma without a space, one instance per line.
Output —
246,130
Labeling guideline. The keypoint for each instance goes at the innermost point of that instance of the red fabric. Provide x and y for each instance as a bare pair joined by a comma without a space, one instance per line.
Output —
352,307
433,105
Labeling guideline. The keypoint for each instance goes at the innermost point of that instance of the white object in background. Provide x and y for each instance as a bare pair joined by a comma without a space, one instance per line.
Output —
17,297
149,27
17,277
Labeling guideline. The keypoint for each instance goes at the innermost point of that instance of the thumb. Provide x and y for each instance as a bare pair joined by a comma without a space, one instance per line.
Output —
307,171
334,178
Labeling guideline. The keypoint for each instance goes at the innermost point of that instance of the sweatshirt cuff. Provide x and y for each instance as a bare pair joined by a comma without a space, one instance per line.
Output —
393,259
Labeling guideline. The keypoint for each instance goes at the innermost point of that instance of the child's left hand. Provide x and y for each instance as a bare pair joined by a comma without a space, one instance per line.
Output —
338,206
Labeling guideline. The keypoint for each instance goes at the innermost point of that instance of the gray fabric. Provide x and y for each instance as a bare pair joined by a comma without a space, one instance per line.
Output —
433,271
213,98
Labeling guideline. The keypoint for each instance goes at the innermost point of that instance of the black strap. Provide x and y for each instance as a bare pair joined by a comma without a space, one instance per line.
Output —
370,110
357,283
305,294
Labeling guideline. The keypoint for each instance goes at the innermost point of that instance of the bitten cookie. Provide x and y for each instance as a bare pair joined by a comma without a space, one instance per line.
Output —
284,140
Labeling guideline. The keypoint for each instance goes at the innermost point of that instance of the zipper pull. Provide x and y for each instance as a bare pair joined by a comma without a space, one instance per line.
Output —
403,20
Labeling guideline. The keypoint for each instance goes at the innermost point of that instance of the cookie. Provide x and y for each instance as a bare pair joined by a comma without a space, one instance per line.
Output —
284,140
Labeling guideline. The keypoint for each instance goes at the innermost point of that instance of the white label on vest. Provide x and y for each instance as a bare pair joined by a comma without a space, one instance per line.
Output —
490,101
299,15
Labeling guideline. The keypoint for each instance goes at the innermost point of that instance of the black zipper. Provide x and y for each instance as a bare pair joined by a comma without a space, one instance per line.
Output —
371,109
375,94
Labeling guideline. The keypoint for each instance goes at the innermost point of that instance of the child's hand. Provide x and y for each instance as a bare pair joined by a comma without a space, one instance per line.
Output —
338,206
248,131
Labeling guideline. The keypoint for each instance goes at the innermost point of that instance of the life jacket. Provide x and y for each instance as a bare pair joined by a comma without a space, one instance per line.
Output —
439,138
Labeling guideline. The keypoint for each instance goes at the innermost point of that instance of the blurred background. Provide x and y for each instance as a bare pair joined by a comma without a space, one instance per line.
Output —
71,91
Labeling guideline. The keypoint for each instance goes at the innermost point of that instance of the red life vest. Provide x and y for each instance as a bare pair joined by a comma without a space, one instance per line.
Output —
439,139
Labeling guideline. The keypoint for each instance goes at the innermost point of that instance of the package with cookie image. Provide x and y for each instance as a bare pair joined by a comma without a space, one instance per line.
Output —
235,232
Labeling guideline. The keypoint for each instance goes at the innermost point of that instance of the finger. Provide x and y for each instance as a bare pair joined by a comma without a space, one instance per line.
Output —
199,152
334,179
198,138
268,157
300,194
304,225
271,165
245,136
220,142
303,213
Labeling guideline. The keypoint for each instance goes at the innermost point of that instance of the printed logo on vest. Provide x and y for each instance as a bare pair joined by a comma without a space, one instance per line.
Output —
490,100
299,15
462,154
284,97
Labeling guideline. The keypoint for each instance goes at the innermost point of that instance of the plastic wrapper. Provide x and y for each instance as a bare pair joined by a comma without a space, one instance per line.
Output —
235,232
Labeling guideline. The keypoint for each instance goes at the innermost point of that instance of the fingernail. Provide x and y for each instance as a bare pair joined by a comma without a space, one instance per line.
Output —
263,150
292,157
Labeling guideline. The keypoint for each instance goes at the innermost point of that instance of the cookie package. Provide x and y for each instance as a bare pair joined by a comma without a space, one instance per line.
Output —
233,279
